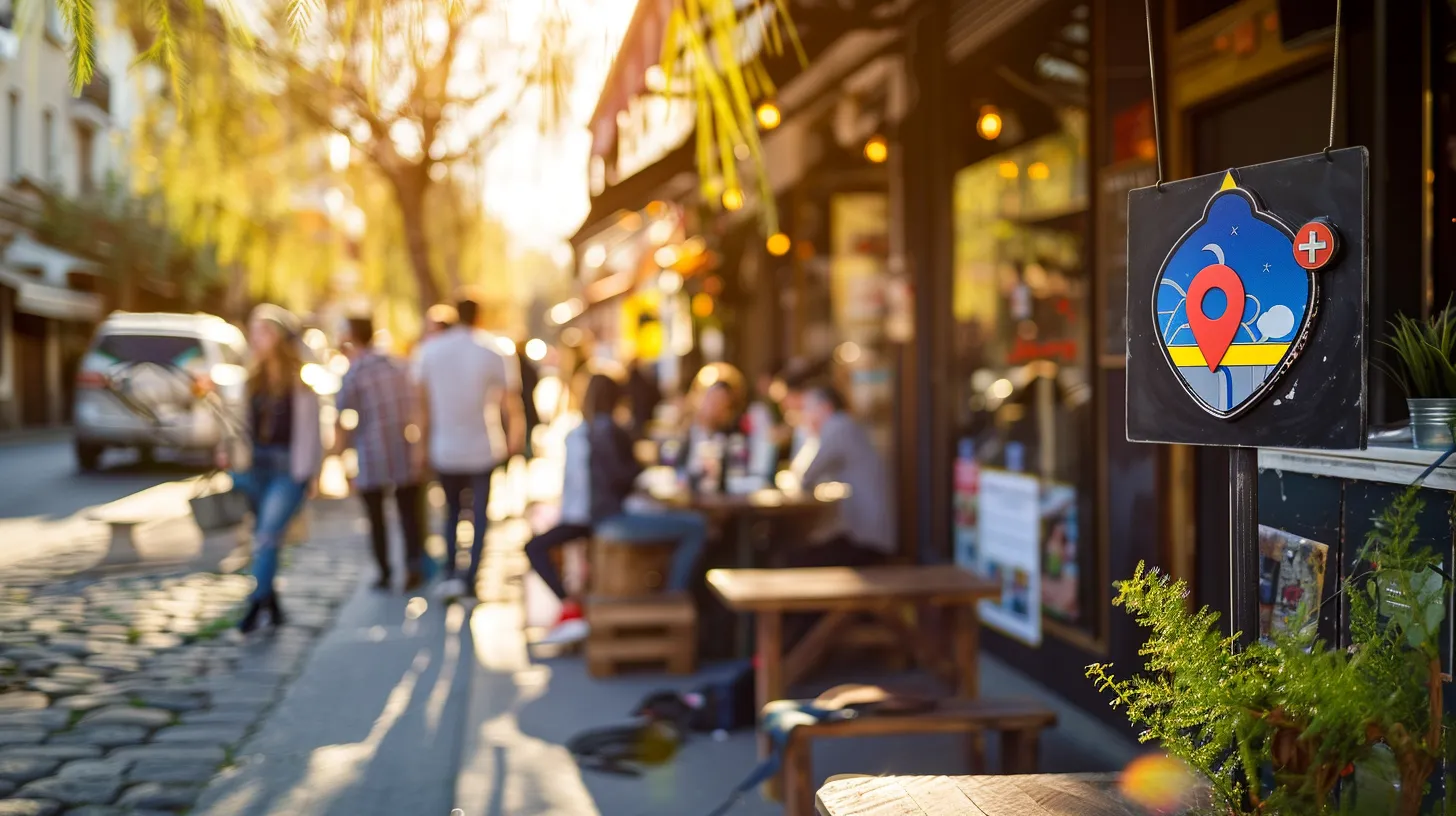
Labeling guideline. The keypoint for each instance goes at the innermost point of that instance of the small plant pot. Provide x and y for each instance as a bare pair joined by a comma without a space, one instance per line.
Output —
1431,421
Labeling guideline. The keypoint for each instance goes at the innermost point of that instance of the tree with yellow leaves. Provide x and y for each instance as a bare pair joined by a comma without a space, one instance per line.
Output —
711,55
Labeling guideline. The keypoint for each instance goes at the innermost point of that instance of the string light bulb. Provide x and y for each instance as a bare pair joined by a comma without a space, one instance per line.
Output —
732,199
989,124
877,149
778,244
768,115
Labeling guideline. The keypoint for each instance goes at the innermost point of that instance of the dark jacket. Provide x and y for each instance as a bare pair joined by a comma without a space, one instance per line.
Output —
614,468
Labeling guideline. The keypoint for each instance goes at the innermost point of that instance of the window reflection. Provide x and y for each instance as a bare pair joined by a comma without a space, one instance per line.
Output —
1022,292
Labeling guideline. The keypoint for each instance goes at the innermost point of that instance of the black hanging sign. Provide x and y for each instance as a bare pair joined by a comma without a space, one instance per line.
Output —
1246,295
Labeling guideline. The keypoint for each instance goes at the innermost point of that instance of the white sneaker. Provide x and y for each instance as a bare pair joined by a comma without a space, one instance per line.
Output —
450,588
568,631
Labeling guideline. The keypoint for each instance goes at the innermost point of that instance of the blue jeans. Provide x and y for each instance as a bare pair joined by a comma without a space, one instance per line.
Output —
456,485
275,499
687,527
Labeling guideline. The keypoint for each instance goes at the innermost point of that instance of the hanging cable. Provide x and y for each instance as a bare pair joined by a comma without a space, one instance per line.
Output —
1153,81
1334,79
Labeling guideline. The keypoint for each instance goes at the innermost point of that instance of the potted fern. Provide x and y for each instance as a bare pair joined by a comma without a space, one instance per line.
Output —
1293,726
1427,373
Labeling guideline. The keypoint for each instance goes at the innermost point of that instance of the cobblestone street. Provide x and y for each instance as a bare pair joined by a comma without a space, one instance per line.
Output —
127,693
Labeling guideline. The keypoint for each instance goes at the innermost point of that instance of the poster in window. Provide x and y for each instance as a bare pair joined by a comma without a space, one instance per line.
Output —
1009,533
1291,581
964,501
1060,539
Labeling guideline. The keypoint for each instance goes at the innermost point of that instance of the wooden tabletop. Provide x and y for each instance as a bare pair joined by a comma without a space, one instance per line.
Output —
1026,795
821,588
759,502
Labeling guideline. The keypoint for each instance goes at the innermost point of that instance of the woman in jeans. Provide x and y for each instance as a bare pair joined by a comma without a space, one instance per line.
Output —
601,472
277,462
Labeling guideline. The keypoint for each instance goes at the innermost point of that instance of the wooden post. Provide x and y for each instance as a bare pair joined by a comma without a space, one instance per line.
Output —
967,648
769,682
1244,543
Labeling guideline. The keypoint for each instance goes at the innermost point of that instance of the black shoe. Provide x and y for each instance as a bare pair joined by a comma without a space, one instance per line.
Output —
413,582
250,618
384,584
276,618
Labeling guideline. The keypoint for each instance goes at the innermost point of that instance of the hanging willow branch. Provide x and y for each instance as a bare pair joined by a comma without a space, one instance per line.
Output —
710,43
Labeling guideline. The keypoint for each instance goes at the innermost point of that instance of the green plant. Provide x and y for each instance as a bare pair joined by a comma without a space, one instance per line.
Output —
1308,714
1427,354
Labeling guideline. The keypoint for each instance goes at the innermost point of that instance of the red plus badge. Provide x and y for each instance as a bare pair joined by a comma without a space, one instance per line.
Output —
1314,245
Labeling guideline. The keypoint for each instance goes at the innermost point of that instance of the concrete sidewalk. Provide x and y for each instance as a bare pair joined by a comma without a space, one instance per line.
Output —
374,722
412,706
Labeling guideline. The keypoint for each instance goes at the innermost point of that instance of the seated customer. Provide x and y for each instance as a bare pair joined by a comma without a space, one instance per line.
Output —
861,530
713,419
600,474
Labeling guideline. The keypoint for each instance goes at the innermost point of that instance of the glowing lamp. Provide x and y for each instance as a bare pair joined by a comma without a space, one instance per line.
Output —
768,115
989,124
877,149
778,244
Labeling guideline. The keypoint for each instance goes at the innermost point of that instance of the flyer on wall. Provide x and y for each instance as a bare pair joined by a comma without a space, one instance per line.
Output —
1060,579
1009,533
963,502
1291,581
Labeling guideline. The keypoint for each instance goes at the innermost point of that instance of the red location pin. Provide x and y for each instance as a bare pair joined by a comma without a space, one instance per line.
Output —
1215,334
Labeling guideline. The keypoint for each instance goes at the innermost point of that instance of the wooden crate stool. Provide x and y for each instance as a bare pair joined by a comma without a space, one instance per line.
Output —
660,630
627,569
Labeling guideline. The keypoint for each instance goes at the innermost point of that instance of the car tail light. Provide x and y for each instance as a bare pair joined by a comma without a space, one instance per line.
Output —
91,379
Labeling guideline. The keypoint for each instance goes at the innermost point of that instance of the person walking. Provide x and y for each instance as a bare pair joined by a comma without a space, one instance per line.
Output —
467,387
530,378
601,472
379,420
276,460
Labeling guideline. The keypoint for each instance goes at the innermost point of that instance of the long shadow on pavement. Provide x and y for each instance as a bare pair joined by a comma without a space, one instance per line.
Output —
372,725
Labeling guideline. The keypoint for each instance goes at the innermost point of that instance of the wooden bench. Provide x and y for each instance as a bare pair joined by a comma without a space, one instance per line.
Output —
661,630
1018,722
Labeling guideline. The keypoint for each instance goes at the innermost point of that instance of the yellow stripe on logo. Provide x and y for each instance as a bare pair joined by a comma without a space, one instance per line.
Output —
1262,354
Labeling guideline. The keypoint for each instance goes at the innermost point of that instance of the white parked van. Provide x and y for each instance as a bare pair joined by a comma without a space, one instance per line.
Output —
141,382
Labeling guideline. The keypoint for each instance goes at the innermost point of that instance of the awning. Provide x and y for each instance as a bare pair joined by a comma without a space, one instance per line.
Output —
54,265
641,49
36,297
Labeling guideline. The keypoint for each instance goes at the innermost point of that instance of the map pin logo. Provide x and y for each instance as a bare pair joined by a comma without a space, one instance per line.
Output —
1214,335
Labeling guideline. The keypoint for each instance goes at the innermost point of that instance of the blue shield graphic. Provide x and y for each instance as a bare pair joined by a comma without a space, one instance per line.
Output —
1279,296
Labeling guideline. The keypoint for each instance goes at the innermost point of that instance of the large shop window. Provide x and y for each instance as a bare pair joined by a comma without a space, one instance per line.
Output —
1025,490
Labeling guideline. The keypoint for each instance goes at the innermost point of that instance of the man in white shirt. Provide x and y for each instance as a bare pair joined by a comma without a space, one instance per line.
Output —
468,387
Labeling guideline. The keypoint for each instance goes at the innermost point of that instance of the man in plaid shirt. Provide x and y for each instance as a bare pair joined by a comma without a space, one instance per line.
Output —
378,418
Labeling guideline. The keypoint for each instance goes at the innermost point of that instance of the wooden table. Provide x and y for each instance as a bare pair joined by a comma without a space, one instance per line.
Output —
738,513
842,593
1039,794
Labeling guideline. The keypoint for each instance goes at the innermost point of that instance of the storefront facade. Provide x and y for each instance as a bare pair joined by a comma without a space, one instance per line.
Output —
1021,149
1018,131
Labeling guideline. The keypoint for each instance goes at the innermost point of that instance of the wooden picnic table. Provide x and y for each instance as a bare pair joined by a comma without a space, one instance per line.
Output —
1041,794
843,593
